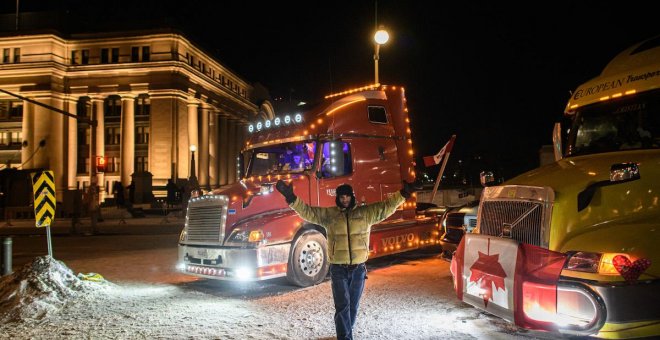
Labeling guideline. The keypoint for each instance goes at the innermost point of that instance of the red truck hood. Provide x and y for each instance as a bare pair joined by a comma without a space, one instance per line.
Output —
257,198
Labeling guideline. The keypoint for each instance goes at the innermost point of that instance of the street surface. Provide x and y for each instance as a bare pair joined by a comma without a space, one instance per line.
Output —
409,296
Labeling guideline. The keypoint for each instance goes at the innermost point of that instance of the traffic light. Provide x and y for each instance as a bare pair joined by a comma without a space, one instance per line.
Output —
100,164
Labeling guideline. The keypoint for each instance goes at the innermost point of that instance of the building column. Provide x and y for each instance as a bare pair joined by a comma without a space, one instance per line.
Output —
213,150
28,137
56,148
97,107
127,155
42,131
231,152
222,150
72,145
204,149
192,133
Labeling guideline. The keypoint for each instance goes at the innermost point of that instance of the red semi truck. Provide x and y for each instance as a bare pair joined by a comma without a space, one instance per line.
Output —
247,231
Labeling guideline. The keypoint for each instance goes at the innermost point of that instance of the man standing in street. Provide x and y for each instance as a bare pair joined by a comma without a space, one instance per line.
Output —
347,227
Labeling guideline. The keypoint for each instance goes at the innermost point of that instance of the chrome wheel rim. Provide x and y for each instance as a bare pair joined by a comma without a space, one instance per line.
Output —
311,258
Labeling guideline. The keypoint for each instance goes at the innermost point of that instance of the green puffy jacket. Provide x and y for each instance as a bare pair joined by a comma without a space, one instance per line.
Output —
345,247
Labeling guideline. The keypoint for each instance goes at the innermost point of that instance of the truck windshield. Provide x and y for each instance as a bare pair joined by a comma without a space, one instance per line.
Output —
631,122
281,158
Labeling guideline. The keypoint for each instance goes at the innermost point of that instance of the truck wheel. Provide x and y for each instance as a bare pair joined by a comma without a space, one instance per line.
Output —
308,264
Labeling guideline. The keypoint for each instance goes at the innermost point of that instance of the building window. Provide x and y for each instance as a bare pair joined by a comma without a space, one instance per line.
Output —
5,56
11,110
84,107
105,56
135,54
83,136
142,135
113,106
85,57
141,164
146,53
112,136
142,105
83,166
115,55
8,138
112,164
17,55
74,57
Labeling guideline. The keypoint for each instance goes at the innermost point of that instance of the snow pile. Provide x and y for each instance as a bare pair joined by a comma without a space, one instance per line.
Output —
41,288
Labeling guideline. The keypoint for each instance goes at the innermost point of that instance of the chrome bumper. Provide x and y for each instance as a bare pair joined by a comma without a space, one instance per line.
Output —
240,264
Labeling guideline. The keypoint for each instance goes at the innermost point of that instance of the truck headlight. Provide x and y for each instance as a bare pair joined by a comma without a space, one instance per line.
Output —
243,237
601,263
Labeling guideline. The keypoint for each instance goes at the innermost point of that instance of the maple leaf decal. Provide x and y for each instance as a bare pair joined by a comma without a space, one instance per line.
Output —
486,271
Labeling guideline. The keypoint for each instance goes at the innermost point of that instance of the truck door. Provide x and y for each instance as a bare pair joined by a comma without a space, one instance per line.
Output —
335,167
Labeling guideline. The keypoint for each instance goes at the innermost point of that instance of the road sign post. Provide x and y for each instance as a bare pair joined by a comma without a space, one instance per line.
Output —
43,187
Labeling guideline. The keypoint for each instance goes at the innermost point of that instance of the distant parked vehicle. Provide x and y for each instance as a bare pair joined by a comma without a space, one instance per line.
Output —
456,222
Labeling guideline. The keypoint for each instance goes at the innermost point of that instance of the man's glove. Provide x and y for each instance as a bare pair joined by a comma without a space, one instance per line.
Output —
286,191
407,189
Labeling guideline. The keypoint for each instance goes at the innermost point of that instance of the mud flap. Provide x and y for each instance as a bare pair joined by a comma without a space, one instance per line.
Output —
517,282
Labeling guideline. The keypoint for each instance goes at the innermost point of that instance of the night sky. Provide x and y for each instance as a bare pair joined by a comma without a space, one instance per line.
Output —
496,75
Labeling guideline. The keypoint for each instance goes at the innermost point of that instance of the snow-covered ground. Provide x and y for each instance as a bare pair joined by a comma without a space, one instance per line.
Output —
408,297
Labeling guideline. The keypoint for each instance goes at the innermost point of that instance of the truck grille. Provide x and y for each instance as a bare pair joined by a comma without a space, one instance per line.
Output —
206,218
524,217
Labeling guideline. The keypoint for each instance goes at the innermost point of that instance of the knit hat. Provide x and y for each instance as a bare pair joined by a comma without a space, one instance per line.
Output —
345,189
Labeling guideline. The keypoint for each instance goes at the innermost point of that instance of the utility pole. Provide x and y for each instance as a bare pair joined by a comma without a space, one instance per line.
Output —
93,186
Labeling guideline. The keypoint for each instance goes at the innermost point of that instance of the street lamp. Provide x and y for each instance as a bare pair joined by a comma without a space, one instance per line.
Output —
381,37
193,148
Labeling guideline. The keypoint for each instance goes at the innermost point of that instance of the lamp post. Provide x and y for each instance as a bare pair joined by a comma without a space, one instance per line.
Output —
381,37
193,148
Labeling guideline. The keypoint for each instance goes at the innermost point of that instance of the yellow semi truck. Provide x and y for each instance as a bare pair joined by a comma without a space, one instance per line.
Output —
599,203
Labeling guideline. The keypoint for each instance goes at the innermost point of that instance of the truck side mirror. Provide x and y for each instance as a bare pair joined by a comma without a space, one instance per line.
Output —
556,142
486,178
621,172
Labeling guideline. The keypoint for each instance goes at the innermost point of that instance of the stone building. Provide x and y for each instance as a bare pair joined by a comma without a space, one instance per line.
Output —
154,95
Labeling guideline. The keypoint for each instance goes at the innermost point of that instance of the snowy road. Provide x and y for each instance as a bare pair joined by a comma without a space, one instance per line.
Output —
408,297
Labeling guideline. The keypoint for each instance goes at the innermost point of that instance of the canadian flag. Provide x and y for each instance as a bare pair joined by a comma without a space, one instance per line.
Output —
512,280
435,159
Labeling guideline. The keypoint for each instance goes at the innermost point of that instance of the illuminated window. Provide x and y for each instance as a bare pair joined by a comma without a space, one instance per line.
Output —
336,159
16,137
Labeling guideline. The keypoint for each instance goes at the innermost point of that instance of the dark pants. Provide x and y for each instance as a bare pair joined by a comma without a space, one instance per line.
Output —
347,287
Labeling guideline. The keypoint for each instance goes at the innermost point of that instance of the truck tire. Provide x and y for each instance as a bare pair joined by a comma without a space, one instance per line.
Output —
308,263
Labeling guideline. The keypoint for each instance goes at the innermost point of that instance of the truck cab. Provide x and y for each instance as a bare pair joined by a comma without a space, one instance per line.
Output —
598,203
247,231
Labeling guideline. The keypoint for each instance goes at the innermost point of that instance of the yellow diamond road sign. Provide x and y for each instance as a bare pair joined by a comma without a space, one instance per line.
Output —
43,186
